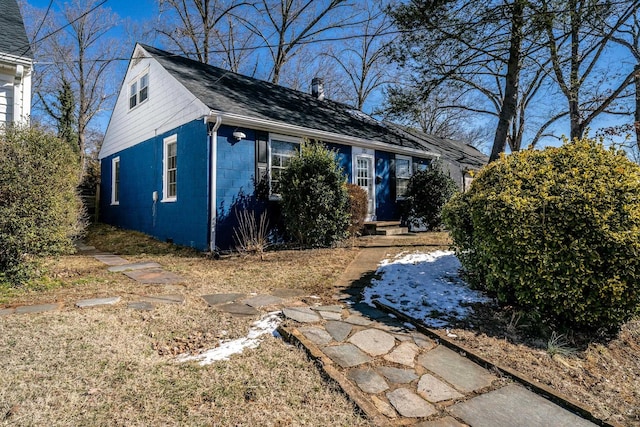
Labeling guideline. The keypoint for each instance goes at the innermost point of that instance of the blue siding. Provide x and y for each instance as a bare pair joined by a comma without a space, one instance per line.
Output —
235,182
185,221
343,154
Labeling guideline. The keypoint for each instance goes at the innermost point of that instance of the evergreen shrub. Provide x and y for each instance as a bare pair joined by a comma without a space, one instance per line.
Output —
555,231
315,202
427,192
40,209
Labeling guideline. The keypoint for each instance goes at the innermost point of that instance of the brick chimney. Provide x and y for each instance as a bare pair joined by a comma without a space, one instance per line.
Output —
317,88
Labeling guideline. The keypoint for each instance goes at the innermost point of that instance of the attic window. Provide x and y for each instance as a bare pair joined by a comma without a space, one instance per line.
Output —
139,90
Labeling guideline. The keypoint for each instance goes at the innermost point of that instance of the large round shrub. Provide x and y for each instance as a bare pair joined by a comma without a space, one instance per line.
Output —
556,231
40,210
315,202
428,191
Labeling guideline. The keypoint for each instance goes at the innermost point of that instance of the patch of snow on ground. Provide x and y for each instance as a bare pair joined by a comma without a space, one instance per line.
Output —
266,325
425,286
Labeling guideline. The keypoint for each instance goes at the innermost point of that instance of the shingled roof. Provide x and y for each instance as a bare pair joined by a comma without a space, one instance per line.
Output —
229,92
13,37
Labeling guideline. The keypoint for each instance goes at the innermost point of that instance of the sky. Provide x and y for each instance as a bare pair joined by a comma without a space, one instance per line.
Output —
134,9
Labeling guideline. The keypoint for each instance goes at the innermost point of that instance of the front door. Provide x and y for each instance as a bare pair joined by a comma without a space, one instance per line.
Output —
364,178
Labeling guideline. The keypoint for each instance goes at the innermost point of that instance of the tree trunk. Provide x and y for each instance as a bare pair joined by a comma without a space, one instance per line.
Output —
636,123
510,100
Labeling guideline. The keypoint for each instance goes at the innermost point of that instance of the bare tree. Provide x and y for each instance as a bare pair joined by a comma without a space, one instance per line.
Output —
75,51
484,48
362,58
629,36
201,29
576,46
285,26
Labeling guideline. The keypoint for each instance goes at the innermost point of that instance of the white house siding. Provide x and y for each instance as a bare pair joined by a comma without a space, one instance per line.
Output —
15,93
6,98
169,105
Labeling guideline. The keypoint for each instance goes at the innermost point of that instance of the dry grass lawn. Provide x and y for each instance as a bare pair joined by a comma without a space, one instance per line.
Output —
109,365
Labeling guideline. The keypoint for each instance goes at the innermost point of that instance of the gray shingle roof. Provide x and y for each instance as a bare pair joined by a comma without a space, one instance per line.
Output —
13,37
229,92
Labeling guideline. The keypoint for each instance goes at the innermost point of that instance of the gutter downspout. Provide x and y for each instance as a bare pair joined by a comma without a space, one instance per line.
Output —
213,170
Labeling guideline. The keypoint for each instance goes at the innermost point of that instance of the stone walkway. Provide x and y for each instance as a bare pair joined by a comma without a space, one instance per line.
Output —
398,376
394,374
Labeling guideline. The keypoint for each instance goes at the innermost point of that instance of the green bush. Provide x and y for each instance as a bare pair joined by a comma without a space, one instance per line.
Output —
358,207
40,211
556,231
315,203
428,191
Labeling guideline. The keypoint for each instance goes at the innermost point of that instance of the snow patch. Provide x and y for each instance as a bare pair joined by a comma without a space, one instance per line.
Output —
425,286
266,325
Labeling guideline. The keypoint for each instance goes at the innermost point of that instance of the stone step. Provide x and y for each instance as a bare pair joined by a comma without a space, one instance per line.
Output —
391,231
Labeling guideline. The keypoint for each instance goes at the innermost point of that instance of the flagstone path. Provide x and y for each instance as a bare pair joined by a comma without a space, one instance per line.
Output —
393,373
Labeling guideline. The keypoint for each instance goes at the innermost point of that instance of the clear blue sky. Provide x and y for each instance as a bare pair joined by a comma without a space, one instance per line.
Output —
133,9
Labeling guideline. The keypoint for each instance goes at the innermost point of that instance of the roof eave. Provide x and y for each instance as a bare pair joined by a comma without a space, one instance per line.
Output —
14,59
286,128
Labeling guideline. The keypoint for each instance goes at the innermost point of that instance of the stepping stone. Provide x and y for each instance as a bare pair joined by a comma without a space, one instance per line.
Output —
346,355
404,354
7,311
83,247
409,404
441,422
358,320
330,308
368,380
301,314
113,260
95,302
38,308
514,405
338,330
134,266
141,306
154,276
164,299
263,301
288,293
365,309
373,341
435,390
462,373
316,335
384,407
330,315
237,309
423,341
397,375
216,299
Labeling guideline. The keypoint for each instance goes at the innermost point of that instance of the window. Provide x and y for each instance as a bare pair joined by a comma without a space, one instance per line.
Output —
115,181
403,173
170,173
139,90
283,149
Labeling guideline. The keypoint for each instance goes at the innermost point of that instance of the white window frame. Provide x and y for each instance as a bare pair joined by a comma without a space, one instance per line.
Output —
281,138
407,177
173,139
136,90
115,181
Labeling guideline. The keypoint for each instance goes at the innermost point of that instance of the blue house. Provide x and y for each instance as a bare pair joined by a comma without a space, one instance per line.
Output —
187,143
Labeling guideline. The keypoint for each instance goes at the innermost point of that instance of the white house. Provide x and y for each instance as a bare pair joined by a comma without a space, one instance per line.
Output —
16,65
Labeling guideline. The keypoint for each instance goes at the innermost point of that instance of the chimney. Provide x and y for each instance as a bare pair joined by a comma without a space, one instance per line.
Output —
317,88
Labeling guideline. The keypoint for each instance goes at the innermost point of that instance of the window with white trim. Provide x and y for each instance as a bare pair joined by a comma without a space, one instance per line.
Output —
115,181
282,150
170,169
403,174
139,90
